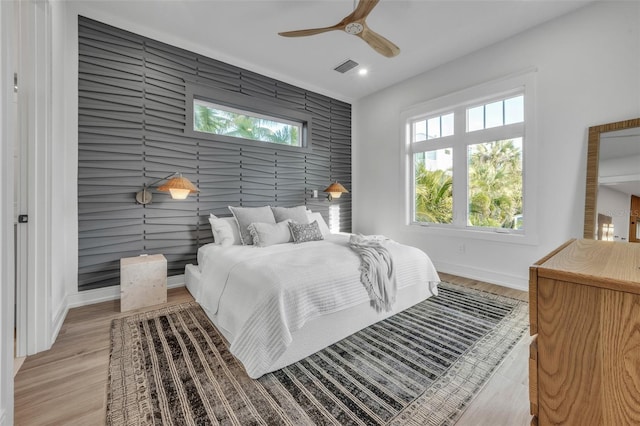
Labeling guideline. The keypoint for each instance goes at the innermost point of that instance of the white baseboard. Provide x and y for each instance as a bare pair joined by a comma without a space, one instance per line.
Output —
492,277
3,418
58,320
98,295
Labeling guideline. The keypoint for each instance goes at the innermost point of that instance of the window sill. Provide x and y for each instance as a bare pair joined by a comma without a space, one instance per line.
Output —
523,238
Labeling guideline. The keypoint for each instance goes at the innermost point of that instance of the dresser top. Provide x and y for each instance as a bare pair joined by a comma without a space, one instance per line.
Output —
608,264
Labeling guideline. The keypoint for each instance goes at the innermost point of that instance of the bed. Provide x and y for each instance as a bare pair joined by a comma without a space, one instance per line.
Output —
278,304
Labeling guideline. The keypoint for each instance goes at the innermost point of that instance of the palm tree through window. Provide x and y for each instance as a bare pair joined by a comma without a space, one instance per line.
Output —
226,121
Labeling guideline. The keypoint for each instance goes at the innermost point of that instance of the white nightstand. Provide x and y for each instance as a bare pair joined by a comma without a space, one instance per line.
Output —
143,281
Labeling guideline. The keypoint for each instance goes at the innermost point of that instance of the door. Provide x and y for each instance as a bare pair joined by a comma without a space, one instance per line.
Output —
634,217
20,220
605,227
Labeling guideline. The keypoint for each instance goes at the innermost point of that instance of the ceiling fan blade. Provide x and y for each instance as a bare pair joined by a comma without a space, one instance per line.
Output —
379,43
355,24
308,32
363,10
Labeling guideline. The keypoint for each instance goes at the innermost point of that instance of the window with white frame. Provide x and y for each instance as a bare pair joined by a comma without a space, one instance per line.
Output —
466,160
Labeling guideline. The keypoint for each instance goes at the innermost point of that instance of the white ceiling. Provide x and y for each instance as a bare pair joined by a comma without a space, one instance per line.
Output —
244,33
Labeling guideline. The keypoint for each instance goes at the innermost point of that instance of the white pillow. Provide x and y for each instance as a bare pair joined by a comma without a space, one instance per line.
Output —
296,214
245,216
268,234
225,230
324,228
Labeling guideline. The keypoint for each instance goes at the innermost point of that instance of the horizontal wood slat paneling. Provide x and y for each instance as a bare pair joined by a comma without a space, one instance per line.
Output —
132,116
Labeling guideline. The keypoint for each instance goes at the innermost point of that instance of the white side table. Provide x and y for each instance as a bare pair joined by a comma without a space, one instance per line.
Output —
143,281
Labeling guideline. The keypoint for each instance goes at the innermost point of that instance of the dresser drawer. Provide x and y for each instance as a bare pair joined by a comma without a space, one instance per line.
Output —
584,361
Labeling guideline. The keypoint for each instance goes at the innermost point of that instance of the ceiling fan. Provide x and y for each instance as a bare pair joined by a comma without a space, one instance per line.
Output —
355,24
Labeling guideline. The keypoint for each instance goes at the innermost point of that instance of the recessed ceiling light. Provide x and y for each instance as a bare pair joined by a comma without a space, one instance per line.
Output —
363,71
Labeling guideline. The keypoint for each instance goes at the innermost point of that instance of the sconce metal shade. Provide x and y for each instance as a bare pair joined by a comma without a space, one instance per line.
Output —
178,187
335,190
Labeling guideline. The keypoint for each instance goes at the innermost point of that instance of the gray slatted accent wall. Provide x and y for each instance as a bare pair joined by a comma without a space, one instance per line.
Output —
131,131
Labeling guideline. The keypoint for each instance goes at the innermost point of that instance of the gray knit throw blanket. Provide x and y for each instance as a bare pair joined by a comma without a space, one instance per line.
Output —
376,270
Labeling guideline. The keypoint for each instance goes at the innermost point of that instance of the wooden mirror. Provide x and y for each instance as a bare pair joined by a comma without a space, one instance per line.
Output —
612,201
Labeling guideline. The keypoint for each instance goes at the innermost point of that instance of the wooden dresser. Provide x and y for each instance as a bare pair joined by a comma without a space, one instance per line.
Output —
584,366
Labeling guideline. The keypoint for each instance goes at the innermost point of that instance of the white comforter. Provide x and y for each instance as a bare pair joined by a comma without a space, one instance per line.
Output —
259,296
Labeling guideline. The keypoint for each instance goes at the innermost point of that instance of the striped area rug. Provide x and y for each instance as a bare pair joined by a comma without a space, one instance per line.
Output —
420,367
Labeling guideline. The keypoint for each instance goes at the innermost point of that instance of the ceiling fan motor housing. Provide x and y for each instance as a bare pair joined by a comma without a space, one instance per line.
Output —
354,28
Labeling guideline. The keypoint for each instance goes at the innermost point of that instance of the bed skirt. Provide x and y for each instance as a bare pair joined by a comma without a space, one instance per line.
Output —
318,333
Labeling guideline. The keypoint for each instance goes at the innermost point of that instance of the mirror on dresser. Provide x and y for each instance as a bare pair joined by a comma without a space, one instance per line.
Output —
612,202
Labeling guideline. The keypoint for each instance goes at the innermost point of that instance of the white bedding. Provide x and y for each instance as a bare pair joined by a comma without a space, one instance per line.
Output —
259,297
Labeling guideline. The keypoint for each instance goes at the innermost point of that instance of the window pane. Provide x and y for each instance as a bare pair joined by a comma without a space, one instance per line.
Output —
495,184
419,131
433,128
447,125
219,120
493,115
514,110
475,118
433,186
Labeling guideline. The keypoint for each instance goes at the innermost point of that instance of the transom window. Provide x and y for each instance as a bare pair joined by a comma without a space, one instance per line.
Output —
495,114
466,162
226,121
433,128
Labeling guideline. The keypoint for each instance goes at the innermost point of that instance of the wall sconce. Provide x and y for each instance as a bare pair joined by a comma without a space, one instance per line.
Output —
335,190
178,187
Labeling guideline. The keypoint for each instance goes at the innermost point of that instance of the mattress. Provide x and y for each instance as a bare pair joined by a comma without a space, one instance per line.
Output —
275,305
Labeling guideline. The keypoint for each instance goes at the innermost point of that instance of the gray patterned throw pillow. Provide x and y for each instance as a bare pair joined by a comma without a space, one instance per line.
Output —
303,232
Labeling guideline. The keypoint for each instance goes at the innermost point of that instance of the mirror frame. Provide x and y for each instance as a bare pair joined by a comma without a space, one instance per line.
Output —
593,155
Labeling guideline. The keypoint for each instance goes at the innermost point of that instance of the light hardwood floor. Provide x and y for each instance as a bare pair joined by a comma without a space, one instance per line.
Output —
67,384
504,400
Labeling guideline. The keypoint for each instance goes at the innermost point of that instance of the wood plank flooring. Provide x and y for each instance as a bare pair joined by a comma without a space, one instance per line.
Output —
67,384
504,400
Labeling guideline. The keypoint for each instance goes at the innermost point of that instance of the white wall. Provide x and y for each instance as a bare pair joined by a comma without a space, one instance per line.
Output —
588,66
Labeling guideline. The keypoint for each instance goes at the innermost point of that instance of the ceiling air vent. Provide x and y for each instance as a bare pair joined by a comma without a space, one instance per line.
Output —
346,66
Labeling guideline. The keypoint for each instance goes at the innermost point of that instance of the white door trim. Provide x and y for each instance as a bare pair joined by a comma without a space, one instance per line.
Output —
7,138
34,133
